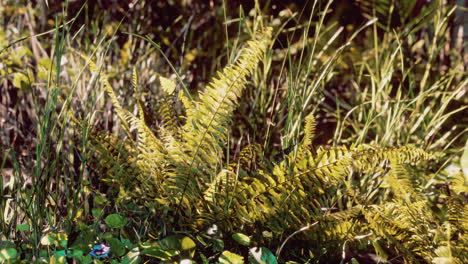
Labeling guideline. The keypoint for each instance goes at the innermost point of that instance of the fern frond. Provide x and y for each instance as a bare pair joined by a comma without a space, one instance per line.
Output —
399,181
458,183
168,117
309,130
223,184
141,112
294,192
151,153
206,128
104,80
167,85
458,212
445,255
116,163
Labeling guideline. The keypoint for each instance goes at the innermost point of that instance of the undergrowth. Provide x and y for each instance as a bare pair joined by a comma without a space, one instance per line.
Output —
302,137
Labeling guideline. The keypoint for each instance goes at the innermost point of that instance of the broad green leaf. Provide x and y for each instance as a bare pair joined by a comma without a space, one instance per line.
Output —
118,248
86,259
107,235
218,245
60,256
163,249
228,257
241,239
170,243
21,80
8,254
115,221
44,68
57,260
187,243
127,243
75,253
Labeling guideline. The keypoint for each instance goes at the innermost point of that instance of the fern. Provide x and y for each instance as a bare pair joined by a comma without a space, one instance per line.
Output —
183,168
184,161
198,157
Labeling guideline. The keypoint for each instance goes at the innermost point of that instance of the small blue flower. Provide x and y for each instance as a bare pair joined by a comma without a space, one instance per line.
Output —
100,251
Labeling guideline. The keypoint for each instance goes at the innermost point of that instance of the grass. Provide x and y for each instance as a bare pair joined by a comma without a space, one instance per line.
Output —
367,81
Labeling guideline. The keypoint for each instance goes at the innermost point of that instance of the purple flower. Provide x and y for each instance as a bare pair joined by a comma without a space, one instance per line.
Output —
100,251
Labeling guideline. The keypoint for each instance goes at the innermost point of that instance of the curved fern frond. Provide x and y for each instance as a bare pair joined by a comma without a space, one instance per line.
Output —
151,153
399,181
168,117
104,80
141,112
205,131
291,194
224,181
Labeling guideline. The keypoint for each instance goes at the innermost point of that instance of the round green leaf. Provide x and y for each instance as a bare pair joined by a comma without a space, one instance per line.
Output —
115,221
118,248
187,243
44,67
241,239
75,253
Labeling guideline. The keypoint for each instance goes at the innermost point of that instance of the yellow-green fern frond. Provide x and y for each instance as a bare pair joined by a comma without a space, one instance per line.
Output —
167,85
367,157
168,117
150,158
206,128
103,79
141,112
333,231
458,212
399,181
151,153
309,131
116,163
224,181
292,193
445,254
458,183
